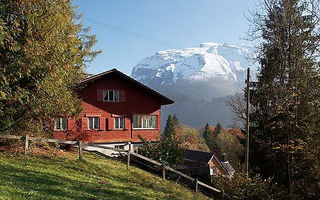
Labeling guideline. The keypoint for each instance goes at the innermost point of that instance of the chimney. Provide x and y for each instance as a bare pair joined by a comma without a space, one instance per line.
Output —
224,157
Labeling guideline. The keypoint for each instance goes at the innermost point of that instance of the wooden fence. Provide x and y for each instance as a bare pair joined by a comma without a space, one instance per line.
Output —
129,154
27,139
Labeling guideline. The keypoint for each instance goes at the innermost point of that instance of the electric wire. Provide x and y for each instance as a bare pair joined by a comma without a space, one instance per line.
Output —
128,32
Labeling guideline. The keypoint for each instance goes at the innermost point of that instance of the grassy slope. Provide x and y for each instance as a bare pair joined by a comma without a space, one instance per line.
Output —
50,177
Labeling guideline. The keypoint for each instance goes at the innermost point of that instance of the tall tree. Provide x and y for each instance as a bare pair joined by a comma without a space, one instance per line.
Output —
43,52
207,133
169,130
175,120
218,129
286,97
215,148
210,135
168,150
237,105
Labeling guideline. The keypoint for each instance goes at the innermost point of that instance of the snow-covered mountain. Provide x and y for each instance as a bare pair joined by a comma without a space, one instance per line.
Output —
209,60
198,79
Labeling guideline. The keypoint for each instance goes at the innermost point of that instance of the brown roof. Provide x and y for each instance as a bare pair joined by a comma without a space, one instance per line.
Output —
164,100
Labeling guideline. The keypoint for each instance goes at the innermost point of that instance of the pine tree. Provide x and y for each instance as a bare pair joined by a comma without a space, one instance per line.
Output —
43,52
207,133
217,130
211,136
169,130
175,120
168,150
171,153
214,138
286,96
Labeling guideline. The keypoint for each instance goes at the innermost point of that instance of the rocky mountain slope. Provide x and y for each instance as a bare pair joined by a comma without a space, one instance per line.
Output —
198,79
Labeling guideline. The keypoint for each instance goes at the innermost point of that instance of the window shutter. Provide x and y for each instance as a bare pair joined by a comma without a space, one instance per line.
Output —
111,123
122,96
70,124
99,95
106,125
64,123
102,123
124,123
84,123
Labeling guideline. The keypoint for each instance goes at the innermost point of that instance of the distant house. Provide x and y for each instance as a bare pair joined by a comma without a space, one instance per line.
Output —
115,109
204,164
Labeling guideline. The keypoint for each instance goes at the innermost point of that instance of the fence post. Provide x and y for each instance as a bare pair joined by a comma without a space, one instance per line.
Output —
128,159
163,171
80,149
197,186
129,146
26,145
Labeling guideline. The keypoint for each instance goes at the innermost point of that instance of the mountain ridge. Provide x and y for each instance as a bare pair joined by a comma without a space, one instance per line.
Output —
198,79
209,60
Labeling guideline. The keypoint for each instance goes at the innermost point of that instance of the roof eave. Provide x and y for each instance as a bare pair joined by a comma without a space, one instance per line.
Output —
164,100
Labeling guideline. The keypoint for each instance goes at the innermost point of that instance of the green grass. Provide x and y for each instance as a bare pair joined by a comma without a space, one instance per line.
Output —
96,177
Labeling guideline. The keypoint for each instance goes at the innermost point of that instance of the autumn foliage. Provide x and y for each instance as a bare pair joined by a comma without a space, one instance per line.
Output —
190,138
43,52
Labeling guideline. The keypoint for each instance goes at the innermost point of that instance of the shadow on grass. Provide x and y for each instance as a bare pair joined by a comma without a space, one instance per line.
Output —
41,185
44,177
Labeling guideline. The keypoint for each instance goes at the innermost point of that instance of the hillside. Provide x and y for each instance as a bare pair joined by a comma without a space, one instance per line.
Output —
66,177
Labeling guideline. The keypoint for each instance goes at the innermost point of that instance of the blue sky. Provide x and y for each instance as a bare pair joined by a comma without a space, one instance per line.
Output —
130,30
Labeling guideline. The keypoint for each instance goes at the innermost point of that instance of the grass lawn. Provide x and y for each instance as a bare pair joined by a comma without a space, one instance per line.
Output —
66,177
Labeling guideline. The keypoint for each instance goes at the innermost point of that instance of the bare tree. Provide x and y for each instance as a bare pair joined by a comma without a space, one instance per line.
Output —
237,105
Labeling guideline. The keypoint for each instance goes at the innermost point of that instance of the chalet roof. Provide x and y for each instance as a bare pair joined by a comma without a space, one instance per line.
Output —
205,157
227,166
164,100
199,156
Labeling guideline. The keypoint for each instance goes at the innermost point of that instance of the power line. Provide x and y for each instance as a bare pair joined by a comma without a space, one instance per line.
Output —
130,33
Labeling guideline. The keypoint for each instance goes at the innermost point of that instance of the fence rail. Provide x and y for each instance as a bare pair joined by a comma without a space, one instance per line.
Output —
11,137
104,147
129,153
164,168
38,139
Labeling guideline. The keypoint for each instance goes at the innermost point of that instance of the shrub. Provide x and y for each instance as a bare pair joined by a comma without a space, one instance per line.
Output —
190,138
249,188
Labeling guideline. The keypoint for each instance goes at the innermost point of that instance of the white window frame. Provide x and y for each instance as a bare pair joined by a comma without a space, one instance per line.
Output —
213,171
143,122
115,95
94,119
117,121
60,124
119,146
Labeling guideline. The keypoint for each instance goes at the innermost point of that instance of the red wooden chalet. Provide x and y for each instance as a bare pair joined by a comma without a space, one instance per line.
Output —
115,109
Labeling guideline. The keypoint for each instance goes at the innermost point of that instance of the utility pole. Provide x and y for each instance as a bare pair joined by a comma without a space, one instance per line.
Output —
247,121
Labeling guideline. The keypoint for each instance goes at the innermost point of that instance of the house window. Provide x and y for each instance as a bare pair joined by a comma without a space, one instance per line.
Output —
145,121
119,146
93,123
60,123
212,171
111,95
119,122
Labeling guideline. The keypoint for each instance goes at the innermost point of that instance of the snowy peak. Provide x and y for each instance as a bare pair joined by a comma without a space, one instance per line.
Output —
209,60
